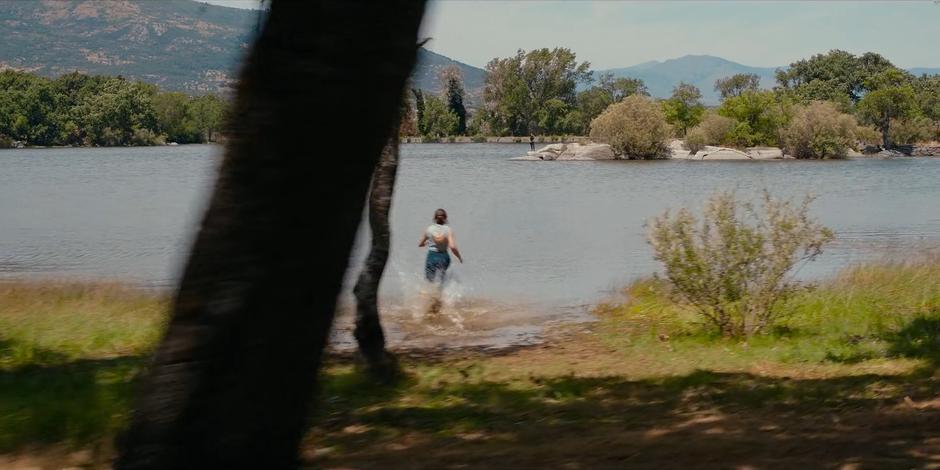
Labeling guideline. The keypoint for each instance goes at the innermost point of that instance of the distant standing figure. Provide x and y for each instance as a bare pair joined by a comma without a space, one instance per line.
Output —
438,237
531,143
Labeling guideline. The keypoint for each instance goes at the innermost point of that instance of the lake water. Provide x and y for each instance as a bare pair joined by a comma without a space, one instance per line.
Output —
542,240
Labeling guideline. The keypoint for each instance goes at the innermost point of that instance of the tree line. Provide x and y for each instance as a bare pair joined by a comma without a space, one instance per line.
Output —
536,92
99,110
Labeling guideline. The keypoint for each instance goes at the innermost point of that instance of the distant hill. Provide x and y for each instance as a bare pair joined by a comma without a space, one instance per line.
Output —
431,63
177,44
699,70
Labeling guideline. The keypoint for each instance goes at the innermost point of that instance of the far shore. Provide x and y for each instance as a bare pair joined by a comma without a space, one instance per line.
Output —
544,139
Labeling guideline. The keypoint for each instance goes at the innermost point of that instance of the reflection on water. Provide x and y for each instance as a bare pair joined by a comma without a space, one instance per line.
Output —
540,239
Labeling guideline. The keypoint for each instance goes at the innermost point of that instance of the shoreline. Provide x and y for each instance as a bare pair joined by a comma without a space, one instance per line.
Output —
640,380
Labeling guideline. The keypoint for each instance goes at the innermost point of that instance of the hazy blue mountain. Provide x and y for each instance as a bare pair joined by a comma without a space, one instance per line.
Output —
699,70
925,70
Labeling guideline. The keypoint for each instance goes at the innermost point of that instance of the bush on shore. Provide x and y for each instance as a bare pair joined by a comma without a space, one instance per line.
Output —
714,129
635,128
911,130
733,266
820,130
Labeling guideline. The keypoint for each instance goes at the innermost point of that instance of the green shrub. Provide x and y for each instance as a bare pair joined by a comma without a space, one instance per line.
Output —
716,128
910,130
867,135
146,137
635,128
695,139
760,117
820,130
478,139
733,266
5,142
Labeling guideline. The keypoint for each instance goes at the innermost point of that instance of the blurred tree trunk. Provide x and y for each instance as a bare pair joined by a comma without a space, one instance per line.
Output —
231,381
369,334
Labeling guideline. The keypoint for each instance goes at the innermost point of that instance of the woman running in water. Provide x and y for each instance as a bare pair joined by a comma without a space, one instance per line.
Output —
438,237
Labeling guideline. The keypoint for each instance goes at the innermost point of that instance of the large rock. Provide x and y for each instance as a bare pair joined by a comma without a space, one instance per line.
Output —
678,150
720,153
927,150
765,153
572,151
889,153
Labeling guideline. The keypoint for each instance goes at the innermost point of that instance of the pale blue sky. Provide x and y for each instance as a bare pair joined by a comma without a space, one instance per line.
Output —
623,33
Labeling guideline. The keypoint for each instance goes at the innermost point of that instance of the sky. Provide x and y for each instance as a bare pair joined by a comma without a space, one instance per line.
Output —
612,34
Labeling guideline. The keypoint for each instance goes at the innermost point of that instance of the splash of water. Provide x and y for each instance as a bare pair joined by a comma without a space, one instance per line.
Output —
438,307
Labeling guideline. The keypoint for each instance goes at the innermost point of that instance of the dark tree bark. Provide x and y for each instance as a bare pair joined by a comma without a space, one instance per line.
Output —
231,381
369,335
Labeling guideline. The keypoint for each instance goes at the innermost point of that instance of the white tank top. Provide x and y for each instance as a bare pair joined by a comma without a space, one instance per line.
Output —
438,238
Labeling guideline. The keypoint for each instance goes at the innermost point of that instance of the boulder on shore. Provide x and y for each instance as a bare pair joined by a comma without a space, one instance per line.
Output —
927,150
677,149
725,153
572,151
765,153
720,153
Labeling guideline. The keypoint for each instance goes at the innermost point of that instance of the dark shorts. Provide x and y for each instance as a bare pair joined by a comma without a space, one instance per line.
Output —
436,265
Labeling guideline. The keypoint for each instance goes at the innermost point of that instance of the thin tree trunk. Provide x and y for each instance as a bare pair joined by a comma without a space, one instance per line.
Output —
368,331
231,381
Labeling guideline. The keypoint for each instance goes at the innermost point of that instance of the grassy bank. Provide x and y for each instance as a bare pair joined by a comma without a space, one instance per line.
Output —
68,356
849,377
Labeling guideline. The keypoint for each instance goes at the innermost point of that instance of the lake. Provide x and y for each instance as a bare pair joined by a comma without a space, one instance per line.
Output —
542,240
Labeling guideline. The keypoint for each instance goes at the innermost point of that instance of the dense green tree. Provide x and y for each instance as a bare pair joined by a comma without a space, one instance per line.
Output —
27,108
836,71
737,84
927,95
523,92
111,116
620,88
174,117
759,115
684,108
209,112
438,120
452,84
419,110
79,109
819,90
882,106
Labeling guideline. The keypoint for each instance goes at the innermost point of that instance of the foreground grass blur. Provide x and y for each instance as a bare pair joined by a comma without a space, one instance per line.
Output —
850,376
68,356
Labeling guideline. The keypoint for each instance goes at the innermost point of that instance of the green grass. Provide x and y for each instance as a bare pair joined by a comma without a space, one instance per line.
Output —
68,355
873,312
645,387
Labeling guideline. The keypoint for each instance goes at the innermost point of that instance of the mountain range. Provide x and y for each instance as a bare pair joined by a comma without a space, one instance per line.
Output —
699,70
195,47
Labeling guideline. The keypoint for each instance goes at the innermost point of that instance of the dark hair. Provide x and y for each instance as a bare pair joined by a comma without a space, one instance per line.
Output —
442,211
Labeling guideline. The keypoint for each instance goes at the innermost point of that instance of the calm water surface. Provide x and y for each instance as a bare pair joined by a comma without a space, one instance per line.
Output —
550,236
